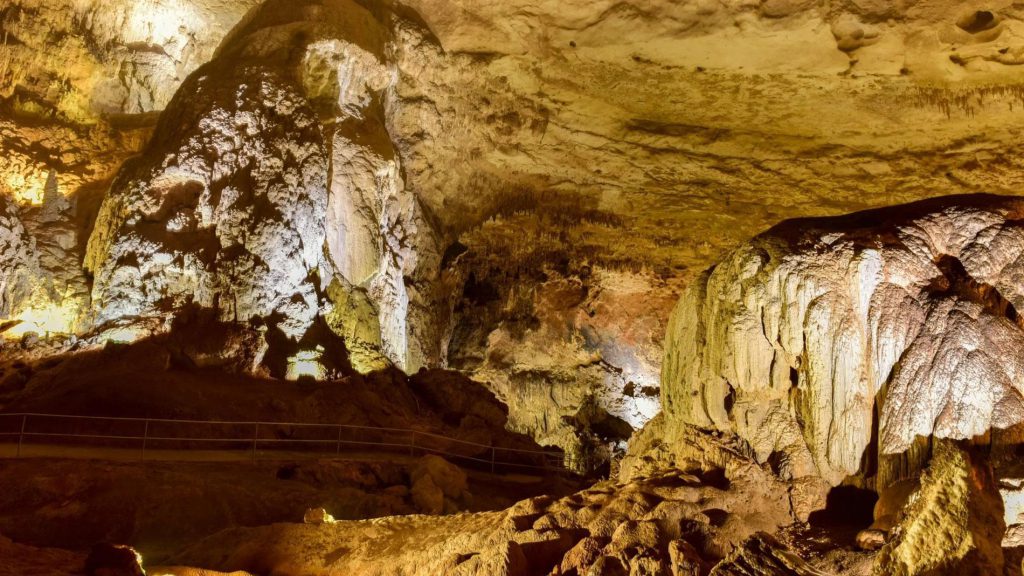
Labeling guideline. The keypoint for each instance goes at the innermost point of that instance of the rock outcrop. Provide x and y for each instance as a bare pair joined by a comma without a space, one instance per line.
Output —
504,179
271,186
763,554
953,524
44,291
830,344
438,486
225,210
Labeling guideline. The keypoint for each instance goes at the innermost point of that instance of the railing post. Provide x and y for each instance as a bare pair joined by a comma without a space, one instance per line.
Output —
255,437
492,459
338,450
21,435
145,437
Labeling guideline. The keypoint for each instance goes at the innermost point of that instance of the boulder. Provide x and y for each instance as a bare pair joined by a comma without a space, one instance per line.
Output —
684,560
449,478
427,496
317,516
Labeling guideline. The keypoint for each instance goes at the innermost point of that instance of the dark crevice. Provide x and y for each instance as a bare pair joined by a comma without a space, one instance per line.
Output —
976,22
846,506
730,399
956,281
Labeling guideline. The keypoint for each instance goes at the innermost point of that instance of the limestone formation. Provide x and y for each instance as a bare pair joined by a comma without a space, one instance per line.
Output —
762,554
953,523
1011,488
224,211
270,183
483,157
821,337
521,191
438,486
44,290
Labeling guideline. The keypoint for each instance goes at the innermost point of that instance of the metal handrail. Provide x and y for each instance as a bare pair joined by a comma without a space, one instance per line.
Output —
550,457
269,423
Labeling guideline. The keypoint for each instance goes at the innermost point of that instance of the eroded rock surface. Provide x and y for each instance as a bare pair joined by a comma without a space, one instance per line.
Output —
652,525
830,344
271,186
953,524
225,210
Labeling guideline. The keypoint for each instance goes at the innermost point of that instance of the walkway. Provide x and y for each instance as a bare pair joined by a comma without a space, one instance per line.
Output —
157,439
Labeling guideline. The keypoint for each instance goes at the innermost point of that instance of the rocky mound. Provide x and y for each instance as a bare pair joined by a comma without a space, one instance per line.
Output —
673,522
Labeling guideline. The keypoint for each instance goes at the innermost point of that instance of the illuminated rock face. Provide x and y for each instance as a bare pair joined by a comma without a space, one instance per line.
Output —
952,525
473,129
114,57
578,357
17,254
271,178
798,340
225,210
43,289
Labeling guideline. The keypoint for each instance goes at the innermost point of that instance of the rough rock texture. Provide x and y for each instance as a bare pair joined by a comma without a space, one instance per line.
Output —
225,209
69,72
44,290
953,523
646,526
91,57
575,359
1011,488
270,185
830,344
527,144
438,486
762,554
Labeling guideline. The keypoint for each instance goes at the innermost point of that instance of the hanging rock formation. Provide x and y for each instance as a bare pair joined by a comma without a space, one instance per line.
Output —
831,344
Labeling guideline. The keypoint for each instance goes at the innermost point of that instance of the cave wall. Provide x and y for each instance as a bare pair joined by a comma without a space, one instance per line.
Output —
519,190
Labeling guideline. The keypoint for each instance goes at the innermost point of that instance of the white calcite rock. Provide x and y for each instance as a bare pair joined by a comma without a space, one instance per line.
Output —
16,255
267,184
42,288
224,210
821,335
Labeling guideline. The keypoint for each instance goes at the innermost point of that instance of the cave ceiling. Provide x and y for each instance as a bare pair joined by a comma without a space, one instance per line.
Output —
697,124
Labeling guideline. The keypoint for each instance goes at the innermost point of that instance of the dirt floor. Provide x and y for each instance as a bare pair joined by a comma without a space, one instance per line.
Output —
159,507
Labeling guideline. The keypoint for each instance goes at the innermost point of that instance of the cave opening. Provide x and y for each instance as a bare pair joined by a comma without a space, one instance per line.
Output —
847,508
